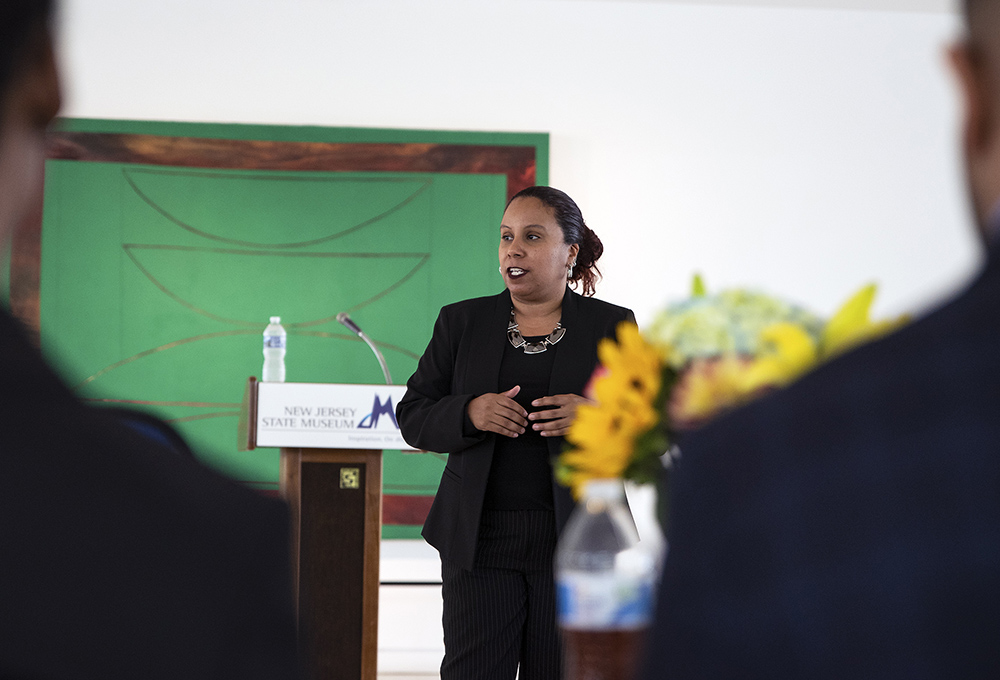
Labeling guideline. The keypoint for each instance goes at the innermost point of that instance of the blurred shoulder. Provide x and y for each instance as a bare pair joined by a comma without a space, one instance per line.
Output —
185,488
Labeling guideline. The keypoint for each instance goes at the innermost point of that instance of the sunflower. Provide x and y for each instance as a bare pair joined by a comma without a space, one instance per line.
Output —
625,391
632,361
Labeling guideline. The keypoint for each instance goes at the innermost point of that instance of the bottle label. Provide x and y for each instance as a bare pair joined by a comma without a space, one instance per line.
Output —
603,601
274,342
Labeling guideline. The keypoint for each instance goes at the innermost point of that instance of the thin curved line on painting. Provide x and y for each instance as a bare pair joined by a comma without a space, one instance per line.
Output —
129,247
161,348
144,402
378,296
209,336
205,416
300,244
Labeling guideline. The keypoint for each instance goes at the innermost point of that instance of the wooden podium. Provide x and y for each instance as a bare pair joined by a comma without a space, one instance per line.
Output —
331,439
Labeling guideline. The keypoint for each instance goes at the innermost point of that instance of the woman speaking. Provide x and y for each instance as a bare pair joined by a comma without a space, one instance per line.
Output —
496,389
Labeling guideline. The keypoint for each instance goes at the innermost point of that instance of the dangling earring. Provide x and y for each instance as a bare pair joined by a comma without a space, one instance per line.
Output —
500,269
569,270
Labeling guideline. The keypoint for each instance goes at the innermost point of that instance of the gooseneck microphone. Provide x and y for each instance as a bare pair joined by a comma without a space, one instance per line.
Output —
345,320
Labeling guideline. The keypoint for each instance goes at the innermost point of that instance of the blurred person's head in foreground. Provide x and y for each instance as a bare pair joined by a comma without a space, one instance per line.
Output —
976,62
29,100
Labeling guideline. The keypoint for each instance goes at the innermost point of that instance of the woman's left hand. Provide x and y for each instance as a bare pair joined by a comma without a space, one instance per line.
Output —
559,413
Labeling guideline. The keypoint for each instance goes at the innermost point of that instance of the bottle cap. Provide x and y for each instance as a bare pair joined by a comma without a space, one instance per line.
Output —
275,319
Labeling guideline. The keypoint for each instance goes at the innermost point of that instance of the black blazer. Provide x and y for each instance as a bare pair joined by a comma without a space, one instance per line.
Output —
848,526
461,362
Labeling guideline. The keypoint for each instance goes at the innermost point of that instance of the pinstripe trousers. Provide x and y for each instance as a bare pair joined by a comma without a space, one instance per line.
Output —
502,614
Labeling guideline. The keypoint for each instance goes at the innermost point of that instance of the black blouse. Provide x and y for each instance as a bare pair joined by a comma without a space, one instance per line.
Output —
521,473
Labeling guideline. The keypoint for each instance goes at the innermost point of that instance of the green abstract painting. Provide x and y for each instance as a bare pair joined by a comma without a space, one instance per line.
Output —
157,278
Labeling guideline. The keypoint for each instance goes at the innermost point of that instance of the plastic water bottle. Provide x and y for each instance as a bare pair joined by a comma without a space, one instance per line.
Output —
605,585
274,351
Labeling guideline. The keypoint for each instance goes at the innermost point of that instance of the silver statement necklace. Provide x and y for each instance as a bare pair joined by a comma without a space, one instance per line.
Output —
516,339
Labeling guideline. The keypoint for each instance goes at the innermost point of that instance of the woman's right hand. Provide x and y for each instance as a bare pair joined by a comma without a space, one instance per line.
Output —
498,413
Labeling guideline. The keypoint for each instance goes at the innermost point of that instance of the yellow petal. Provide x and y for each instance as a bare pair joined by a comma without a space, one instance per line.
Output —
790,345
631,361
849,320
852,325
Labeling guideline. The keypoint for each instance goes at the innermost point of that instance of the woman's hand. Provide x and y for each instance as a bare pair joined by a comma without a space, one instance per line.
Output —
498,413
559,416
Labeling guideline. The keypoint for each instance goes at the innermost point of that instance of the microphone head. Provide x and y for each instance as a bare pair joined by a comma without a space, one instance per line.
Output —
345,320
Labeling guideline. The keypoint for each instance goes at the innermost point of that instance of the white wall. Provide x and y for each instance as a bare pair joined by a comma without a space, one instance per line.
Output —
802,150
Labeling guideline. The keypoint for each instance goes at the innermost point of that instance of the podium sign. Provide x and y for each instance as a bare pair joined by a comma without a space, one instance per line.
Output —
315,415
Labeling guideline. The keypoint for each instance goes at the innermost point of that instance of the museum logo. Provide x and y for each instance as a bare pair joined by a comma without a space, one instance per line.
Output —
379,409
